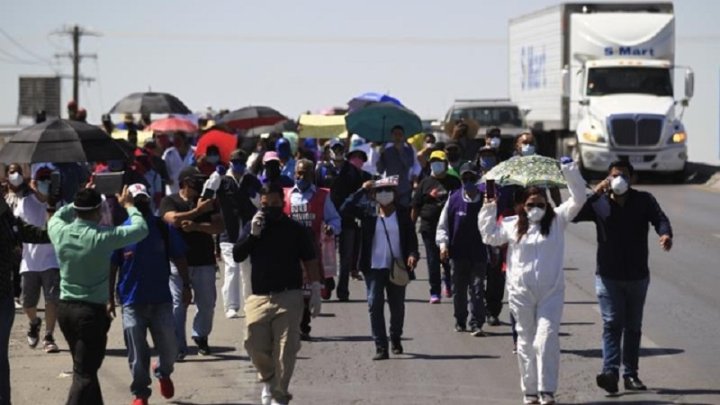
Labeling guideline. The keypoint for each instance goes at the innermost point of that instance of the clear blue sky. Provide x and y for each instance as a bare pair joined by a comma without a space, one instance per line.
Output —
297,56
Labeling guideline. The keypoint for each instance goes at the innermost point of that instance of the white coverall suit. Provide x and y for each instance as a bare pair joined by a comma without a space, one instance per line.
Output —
536,284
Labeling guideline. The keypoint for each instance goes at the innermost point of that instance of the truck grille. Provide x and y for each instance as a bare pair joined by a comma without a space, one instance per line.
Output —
636,131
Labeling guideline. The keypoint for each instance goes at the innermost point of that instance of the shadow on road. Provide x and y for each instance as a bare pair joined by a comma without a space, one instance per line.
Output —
644,352
422,356
213,403
576,323
321,339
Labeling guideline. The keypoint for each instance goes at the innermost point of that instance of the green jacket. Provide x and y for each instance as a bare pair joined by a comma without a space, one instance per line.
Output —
84,248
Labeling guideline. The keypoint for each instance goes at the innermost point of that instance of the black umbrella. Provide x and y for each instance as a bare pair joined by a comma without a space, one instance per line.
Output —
61,141
251,117
150,103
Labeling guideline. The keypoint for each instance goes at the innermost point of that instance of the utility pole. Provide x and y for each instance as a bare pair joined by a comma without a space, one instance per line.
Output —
76,32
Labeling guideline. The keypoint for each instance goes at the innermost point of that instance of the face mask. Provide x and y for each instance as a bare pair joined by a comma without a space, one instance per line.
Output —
494,143
15,179
357,162
272,213
385,197
487,163
535,214
527,149
43,187
437,168
238,168
619,185
469,186
302,184
213,159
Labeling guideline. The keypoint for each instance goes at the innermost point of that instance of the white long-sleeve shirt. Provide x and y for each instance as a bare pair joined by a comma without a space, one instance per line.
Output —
535,261
175,163
441,234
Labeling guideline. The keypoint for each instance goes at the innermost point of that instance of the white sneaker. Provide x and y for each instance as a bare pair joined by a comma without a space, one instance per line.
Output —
547,398
232,314
531,399
266,396
274,402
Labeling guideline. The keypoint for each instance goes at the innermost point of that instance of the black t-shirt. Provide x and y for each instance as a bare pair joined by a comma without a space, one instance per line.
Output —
200,245
430,197
235,204
275,256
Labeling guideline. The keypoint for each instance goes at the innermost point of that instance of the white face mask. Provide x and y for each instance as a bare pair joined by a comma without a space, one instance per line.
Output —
527,149
535,214
15,179
437,168
619,185
385,197
494,143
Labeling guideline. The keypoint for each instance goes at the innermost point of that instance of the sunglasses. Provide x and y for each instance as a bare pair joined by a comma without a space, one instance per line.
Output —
535,205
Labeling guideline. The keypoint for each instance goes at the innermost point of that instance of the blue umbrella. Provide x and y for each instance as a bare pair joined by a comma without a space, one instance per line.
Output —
375,121
366,99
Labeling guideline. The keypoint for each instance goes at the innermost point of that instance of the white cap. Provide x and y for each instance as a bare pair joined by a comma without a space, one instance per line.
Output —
138,189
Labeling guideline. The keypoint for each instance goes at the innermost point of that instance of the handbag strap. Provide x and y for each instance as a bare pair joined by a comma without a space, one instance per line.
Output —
387,236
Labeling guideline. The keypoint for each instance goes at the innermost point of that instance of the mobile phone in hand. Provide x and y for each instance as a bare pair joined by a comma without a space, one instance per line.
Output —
490,189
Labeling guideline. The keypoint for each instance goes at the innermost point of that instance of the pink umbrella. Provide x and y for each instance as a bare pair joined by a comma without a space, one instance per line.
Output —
173,124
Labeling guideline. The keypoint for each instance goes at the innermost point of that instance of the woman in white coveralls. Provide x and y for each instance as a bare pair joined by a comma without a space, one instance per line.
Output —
535,281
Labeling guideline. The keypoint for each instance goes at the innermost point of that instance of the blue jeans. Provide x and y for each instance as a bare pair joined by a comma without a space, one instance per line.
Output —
432,252
621,306
137,320
204,292
7,317
468,278
378,283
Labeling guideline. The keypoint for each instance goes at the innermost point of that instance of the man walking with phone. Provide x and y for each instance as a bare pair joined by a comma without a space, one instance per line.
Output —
622,216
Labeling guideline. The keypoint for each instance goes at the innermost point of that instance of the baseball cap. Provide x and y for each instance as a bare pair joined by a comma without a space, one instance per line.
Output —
87,200
270,155
138,189
468,167
359,150
189,173
438,155
238,154
391,181
335,143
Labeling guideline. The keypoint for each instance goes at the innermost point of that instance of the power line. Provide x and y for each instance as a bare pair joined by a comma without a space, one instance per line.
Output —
12,59
23,48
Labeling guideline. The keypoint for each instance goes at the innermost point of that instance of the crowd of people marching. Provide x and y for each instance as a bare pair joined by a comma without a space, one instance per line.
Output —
278,217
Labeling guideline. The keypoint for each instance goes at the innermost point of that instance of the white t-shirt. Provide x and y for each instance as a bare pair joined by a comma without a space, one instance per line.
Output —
175,164
381,256
35,256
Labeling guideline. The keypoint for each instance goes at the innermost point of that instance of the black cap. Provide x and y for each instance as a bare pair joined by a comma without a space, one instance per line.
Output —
468,167
87,199
238,154
188,173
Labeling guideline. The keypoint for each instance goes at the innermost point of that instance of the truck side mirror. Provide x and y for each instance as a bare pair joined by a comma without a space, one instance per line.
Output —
689,83
565,77
584,102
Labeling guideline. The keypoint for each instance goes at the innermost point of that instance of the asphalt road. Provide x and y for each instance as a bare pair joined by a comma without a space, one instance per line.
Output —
680,358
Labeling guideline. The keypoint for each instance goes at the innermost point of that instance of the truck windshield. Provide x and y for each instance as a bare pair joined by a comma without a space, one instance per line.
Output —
489,116
616,80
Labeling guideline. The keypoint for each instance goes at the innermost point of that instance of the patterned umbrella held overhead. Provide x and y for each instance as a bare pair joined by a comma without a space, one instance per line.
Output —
528,171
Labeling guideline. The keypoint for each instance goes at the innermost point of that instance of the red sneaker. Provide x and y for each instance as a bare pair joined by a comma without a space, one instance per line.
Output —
167,388
139,401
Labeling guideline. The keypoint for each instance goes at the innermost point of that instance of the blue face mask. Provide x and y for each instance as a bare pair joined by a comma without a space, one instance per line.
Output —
302,184
437,168
527,150
43,187
469,185
238,167
213,159
487,162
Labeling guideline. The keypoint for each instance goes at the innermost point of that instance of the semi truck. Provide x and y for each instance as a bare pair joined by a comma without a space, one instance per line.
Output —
598,83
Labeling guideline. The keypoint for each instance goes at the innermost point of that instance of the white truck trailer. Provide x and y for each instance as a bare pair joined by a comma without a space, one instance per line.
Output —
598,81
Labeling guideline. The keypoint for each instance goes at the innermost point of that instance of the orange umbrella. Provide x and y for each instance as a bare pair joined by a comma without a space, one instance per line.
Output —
226,142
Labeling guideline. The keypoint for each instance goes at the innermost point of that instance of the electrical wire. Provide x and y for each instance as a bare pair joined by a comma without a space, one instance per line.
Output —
23,48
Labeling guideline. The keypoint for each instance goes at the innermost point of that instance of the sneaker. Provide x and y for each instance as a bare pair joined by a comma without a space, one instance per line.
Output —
493,321
202,345
459,328
139,401
434,299
274,402
514,350
381,354
167,388
266,396
180,357
531,399
33,335
447,292
477,332
49,344
396,346
547,398
232,314
18,304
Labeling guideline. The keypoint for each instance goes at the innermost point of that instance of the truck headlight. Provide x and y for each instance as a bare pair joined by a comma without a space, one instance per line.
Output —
679,137
593,137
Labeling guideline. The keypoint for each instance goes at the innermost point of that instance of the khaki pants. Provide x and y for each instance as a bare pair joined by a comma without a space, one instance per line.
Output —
272,337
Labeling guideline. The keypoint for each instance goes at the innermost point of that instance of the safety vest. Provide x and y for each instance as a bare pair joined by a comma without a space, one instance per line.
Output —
310,214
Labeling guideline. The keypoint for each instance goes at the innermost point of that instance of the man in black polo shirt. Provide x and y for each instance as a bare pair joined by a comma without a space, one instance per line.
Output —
279,248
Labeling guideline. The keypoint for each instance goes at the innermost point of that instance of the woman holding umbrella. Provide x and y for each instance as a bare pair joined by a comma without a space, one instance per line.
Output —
535,280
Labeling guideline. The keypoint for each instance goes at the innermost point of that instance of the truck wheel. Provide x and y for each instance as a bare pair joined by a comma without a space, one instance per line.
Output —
680,176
